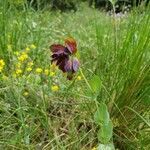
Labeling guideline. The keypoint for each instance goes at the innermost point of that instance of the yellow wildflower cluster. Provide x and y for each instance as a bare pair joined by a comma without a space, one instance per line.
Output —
23,57
32,46
29,66
39,70
18,72
54,88
2,64
46,72
29,69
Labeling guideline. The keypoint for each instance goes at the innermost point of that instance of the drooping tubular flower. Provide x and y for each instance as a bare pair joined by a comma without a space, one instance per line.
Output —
64,58
71,45
71,67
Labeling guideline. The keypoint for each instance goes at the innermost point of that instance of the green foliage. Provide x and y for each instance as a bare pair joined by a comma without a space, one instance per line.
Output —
105,133
17,2
102,119
101,115
95,84
106,147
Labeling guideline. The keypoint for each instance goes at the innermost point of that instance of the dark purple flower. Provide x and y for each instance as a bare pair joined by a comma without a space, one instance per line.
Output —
71,67
61,56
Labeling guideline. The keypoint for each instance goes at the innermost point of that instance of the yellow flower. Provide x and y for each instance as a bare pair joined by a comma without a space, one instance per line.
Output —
18,71
38,70
54,88
23,57
25,93
46,71
27,49
33,46
79,78
2,64
52,74
29,69
94,148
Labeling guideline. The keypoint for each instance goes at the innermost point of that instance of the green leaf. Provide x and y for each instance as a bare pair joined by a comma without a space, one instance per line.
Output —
105,133
101,115
106,147
95,84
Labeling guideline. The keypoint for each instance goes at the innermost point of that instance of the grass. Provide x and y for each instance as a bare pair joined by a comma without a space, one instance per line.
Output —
33,116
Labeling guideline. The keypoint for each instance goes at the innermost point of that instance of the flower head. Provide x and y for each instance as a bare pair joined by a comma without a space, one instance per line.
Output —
38,70
54,88
2,64
18,71
71,67
46,72
79,78
23,57
61,57
29,69
71,45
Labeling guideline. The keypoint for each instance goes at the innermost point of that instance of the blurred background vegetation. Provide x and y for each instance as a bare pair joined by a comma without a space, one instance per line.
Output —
65,5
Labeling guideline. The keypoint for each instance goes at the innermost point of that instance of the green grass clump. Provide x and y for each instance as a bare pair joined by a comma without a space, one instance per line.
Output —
41,109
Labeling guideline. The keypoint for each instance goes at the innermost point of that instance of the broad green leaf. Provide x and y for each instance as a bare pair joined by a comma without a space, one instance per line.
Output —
101,115
105,133
95,84
106,147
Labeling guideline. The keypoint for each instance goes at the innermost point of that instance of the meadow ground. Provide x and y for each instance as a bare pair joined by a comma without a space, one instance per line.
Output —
41,109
